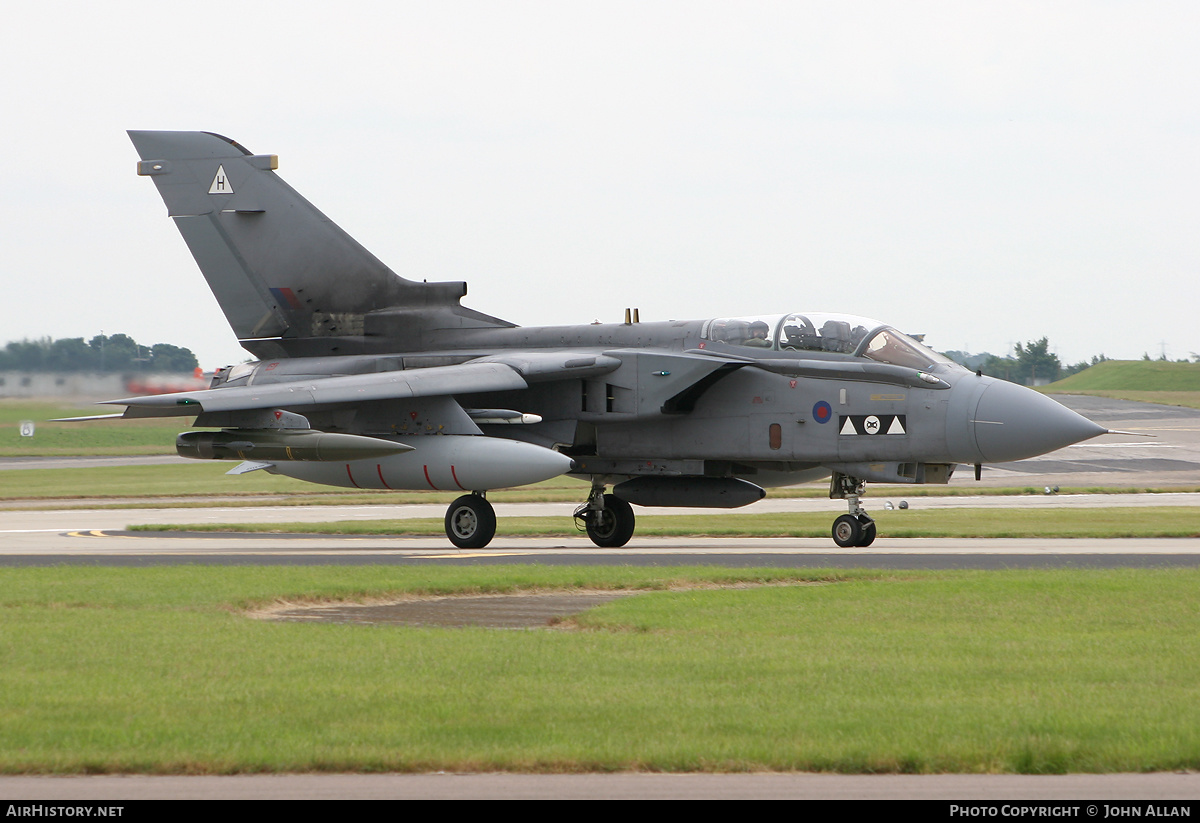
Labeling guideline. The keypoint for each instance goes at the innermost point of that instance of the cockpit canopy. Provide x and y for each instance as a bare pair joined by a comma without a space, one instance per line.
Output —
818,332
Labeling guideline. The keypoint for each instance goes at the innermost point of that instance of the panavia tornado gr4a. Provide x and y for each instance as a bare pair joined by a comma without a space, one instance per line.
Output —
365,379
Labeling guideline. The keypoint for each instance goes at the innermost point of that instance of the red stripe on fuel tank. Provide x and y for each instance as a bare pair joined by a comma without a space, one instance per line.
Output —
351,476
379,469
455,476
430,482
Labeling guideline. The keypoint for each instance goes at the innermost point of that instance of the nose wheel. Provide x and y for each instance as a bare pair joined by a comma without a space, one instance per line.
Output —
856,529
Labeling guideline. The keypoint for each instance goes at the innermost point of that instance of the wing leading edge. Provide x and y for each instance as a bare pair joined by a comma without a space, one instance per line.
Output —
437,381
496,373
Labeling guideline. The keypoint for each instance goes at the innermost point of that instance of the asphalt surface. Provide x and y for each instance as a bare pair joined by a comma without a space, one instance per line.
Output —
1091,790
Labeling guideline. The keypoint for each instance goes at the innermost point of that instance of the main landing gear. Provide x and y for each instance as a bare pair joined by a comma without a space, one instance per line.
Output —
607,519
471,521
855,529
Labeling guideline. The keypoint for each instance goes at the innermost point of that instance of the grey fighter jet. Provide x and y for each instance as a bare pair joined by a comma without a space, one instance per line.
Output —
365,379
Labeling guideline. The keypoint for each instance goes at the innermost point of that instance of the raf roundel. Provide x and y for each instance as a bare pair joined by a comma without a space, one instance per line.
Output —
822,412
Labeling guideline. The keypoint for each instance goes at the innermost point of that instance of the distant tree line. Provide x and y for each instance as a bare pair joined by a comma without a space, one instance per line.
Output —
103,353
1030,364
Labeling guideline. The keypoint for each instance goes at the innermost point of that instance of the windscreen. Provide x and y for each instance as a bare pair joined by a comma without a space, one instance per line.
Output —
890,346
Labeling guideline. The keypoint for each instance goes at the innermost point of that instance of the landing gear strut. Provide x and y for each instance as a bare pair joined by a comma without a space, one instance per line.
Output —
855,529
471,521
608,519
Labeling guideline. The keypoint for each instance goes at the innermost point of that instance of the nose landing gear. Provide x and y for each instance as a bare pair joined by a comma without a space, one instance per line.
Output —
856,529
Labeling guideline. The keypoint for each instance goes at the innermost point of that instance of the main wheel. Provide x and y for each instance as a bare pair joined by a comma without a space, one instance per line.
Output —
868,531
847,531
612,526
470,522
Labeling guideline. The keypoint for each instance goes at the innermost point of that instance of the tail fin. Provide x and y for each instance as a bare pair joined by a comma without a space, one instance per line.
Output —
288,279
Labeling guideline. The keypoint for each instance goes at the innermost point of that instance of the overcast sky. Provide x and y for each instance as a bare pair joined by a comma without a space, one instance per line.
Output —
983,173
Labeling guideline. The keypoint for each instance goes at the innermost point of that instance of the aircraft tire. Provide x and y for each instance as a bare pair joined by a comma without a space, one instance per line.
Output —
612,526
847,531
868,531
470,522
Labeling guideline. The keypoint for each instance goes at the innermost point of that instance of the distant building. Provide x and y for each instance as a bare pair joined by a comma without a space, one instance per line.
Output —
93,385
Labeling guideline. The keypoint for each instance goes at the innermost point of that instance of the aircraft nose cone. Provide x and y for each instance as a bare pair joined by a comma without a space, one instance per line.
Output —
1013,423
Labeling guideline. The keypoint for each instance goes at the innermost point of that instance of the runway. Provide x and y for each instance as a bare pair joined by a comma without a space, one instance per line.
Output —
68,538
102,537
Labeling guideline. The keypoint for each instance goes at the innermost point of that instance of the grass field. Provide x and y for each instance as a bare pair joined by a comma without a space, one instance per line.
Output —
159,670
1146,381
1134,375
97,437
